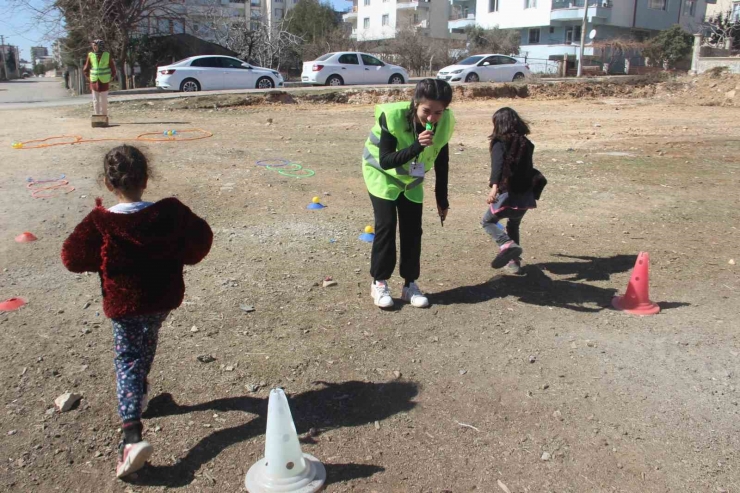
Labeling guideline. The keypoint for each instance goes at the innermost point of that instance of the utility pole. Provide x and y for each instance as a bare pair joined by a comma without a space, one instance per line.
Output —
584,24
2,55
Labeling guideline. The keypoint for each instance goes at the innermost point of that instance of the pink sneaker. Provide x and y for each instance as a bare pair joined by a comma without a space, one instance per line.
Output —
132,457
508,252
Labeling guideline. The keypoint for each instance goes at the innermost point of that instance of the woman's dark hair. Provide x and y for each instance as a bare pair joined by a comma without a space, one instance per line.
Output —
431,90
126,168
509,129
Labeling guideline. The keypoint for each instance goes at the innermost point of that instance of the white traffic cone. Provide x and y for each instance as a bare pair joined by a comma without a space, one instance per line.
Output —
285,468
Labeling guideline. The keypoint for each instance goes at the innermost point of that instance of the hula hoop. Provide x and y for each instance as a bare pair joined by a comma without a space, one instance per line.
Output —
31,180
309,173
273,162
62,186
42,142
39,143
296,167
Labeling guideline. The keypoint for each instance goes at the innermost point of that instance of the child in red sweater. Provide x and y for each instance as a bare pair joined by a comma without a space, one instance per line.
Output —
138,249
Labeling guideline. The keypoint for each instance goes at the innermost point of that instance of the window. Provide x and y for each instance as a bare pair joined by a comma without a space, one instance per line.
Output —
491,60
371,61
689,8
210,61
254,3
416,17
656,4
366,22
254,26
278,1
534,36
493,5
573,34
552,30
231,63
366,3
530,4
349,59
278,14
735,16
386,19
195,28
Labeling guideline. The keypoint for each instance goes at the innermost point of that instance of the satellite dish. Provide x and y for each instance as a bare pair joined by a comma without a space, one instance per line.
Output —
592,34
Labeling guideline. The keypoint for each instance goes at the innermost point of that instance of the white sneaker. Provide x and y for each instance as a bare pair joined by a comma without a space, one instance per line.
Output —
381,294
413,295
132,457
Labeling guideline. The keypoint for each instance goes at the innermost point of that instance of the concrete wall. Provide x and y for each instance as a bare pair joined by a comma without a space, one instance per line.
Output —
704,64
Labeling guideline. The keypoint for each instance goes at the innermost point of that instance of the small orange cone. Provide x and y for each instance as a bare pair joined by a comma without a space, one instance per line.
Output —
25,237
637,298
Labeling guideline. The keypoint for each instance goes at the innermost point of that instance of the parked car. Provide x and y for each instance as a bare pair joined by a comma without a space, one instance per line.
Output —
485,68
337,69
212,73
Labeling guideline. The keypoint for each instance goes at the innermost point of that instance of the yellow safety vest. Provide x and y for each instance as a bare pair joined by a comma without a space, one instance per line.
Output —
100,69
390,183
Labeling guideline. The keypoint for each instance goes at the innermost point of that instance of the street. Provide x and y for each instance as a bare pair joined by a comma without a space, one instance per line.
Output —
32,90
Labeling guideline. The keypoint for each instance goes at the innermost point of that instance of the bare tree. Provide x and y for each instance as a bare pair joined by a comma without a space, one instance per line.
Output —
724,32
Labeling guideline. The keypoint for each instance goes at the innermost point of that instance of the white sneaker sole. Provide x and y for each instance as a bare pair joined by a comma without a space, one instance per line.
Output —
418,304
136,459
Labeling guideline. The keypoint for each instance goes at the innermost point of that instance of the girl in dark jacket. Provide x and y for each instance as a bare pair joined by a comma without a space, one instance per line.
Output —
138,248
515,186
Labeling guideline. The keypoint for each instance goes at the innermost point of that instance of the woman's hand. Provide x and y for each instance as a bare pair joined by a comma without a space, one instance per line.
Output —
492,195
442,213
426,137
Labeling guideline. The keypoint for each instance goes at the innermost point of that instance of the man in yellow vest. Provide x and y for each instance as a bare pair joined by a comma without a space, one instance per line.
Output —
409,139
100,70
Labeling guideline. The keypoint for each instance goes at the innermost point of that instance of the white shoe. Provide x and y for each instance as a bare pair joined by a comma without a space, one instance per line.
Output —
381,294
132,457
413,295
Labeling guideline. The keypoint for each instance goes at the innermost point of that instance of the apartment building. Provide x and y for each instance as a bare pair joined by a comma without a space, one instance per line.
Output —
39,52
382,19
552,28
724,7
210,19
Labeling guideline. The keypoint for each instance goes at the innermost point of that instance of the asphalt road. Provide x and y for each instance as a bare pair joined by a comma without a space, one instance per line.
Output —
36,90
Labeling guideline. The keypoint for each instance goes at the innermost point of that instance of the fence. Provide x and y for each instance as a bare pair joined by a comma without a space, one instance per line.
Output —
701,63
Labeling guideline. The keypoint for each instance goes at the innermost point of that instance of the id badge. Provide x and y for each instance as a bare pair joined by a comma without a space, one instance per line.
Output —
416,169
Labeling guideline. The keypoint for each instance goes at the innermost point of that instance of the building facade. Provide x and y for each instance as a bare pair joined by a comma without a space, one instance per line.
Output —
39,52
382,19
551,29
724,7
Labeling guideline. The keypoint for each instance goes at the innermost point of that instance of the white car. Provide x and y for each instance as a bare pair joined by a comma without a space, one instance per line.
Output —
348,67
485,68
213,73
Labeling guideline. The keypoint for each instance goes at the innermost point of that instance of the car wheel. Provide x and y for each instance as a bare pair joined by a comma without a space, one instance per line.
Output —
189,85
472,78
396,79
334,80
519,76
265,83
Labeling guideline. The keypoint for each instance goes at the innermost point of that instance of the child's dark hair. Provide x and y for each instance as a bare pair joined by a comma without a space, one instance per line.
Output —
431,90
126,168
507,124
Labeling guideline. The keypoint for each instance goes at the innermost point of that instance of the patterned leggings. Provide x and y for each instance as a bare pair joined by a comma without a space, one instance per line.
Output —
135,344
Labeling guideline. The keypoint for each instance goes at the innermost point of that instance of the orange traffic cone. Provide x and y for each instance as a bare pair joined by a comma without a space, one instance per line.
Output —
637,298
25,237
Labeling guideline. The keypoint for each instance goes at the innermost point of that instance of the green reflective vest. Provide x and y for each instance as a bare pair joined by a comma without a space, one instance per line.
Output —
99,69
389,184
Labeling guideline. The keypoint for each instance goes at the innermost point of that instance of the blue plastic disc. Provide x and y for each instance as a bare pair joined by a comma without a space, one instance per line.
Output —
315,206
367,237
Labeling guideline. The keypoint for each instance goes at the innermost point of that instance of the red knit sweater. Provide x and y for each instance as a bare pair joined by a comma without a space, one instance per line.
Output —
139,256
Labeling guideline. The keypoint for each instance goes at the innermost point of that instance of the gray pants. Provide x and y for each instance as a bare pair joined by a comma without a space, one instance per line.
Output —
501,237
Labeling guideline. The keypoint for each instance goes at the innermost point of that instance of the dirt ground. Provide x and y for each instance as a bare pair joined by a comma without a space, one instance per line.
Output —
533,382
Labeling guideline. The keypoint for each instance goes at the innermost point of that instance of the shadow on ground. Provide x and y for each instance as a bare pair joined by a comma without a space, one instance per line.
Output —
334,405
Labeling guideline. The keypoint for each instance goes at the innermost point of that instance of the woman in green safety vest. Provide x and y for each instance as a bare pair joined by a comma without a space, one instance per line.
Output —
409,139
100,69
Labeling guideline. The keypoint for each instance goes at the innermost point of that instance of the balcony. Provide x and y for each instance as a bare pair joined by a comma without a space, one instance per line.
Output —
414,5
460,19
572,10
350,14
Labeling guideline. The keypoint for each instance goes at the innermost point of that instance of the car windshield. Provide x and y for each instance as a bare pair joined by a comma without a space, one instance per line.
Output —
471,60
324,57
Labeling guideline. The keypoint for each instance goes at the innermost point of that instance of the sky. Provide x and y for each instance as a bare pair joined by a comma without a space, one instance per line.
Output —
20,29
